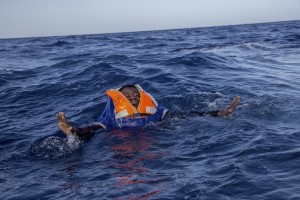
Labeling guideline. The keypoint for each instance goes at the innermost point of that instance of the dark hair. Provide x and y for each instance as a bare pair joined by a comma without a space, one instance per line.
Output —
127,86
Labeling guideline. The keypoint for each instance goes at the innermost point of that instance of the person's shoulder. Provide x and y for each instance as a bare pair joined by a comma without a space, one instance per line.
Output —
162,110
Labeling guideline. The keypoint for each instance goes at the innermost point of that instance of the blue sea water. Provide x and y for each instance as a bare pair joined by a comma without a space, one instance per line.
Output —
252,154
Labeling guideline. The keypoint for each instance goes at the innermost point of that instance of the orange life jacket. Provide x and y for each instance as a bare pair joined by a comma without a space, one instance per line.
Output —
123,107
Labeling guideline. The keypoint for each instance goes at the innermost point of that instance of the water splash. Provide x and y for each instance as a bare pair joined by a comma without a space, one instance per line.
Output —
54,147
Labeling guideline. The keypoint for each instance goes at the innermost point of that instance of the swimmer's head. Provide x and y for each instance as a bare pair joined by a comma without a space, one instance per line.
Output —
131,93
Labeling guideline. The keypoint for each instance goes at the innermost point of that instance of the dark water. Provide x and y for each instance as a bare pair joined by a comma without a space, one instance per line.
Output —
253,154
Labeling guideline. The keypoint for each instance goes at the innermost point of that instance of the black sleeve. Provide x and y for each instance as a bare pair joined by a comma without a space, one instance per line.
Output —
172,114
86,133
214,113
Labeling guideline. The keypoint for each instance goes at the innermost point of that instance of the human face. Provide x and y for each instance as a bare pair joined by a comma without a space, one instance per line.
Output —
132,95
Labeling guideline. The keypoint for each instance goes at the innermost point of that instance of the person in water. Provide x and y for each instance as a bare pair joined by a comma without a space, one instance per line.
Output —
130,106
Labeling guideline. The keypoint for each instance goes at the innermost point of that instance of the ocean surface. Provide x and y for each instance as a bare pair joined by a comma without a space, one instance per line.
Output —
252,154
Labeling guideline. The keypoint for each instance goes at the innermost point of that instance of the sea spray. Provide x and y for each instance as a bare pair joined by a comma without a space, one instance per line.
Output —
54,147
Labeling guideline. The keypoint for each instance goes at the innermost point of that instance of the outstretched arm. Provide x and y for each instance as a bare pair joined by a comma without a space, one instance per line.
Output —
227,111
84,133
223,113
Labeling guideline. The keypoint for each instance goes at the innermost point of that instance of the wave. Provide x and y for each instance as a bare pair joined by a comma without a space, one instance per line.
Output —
198,69
59,43
293,38
197,59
